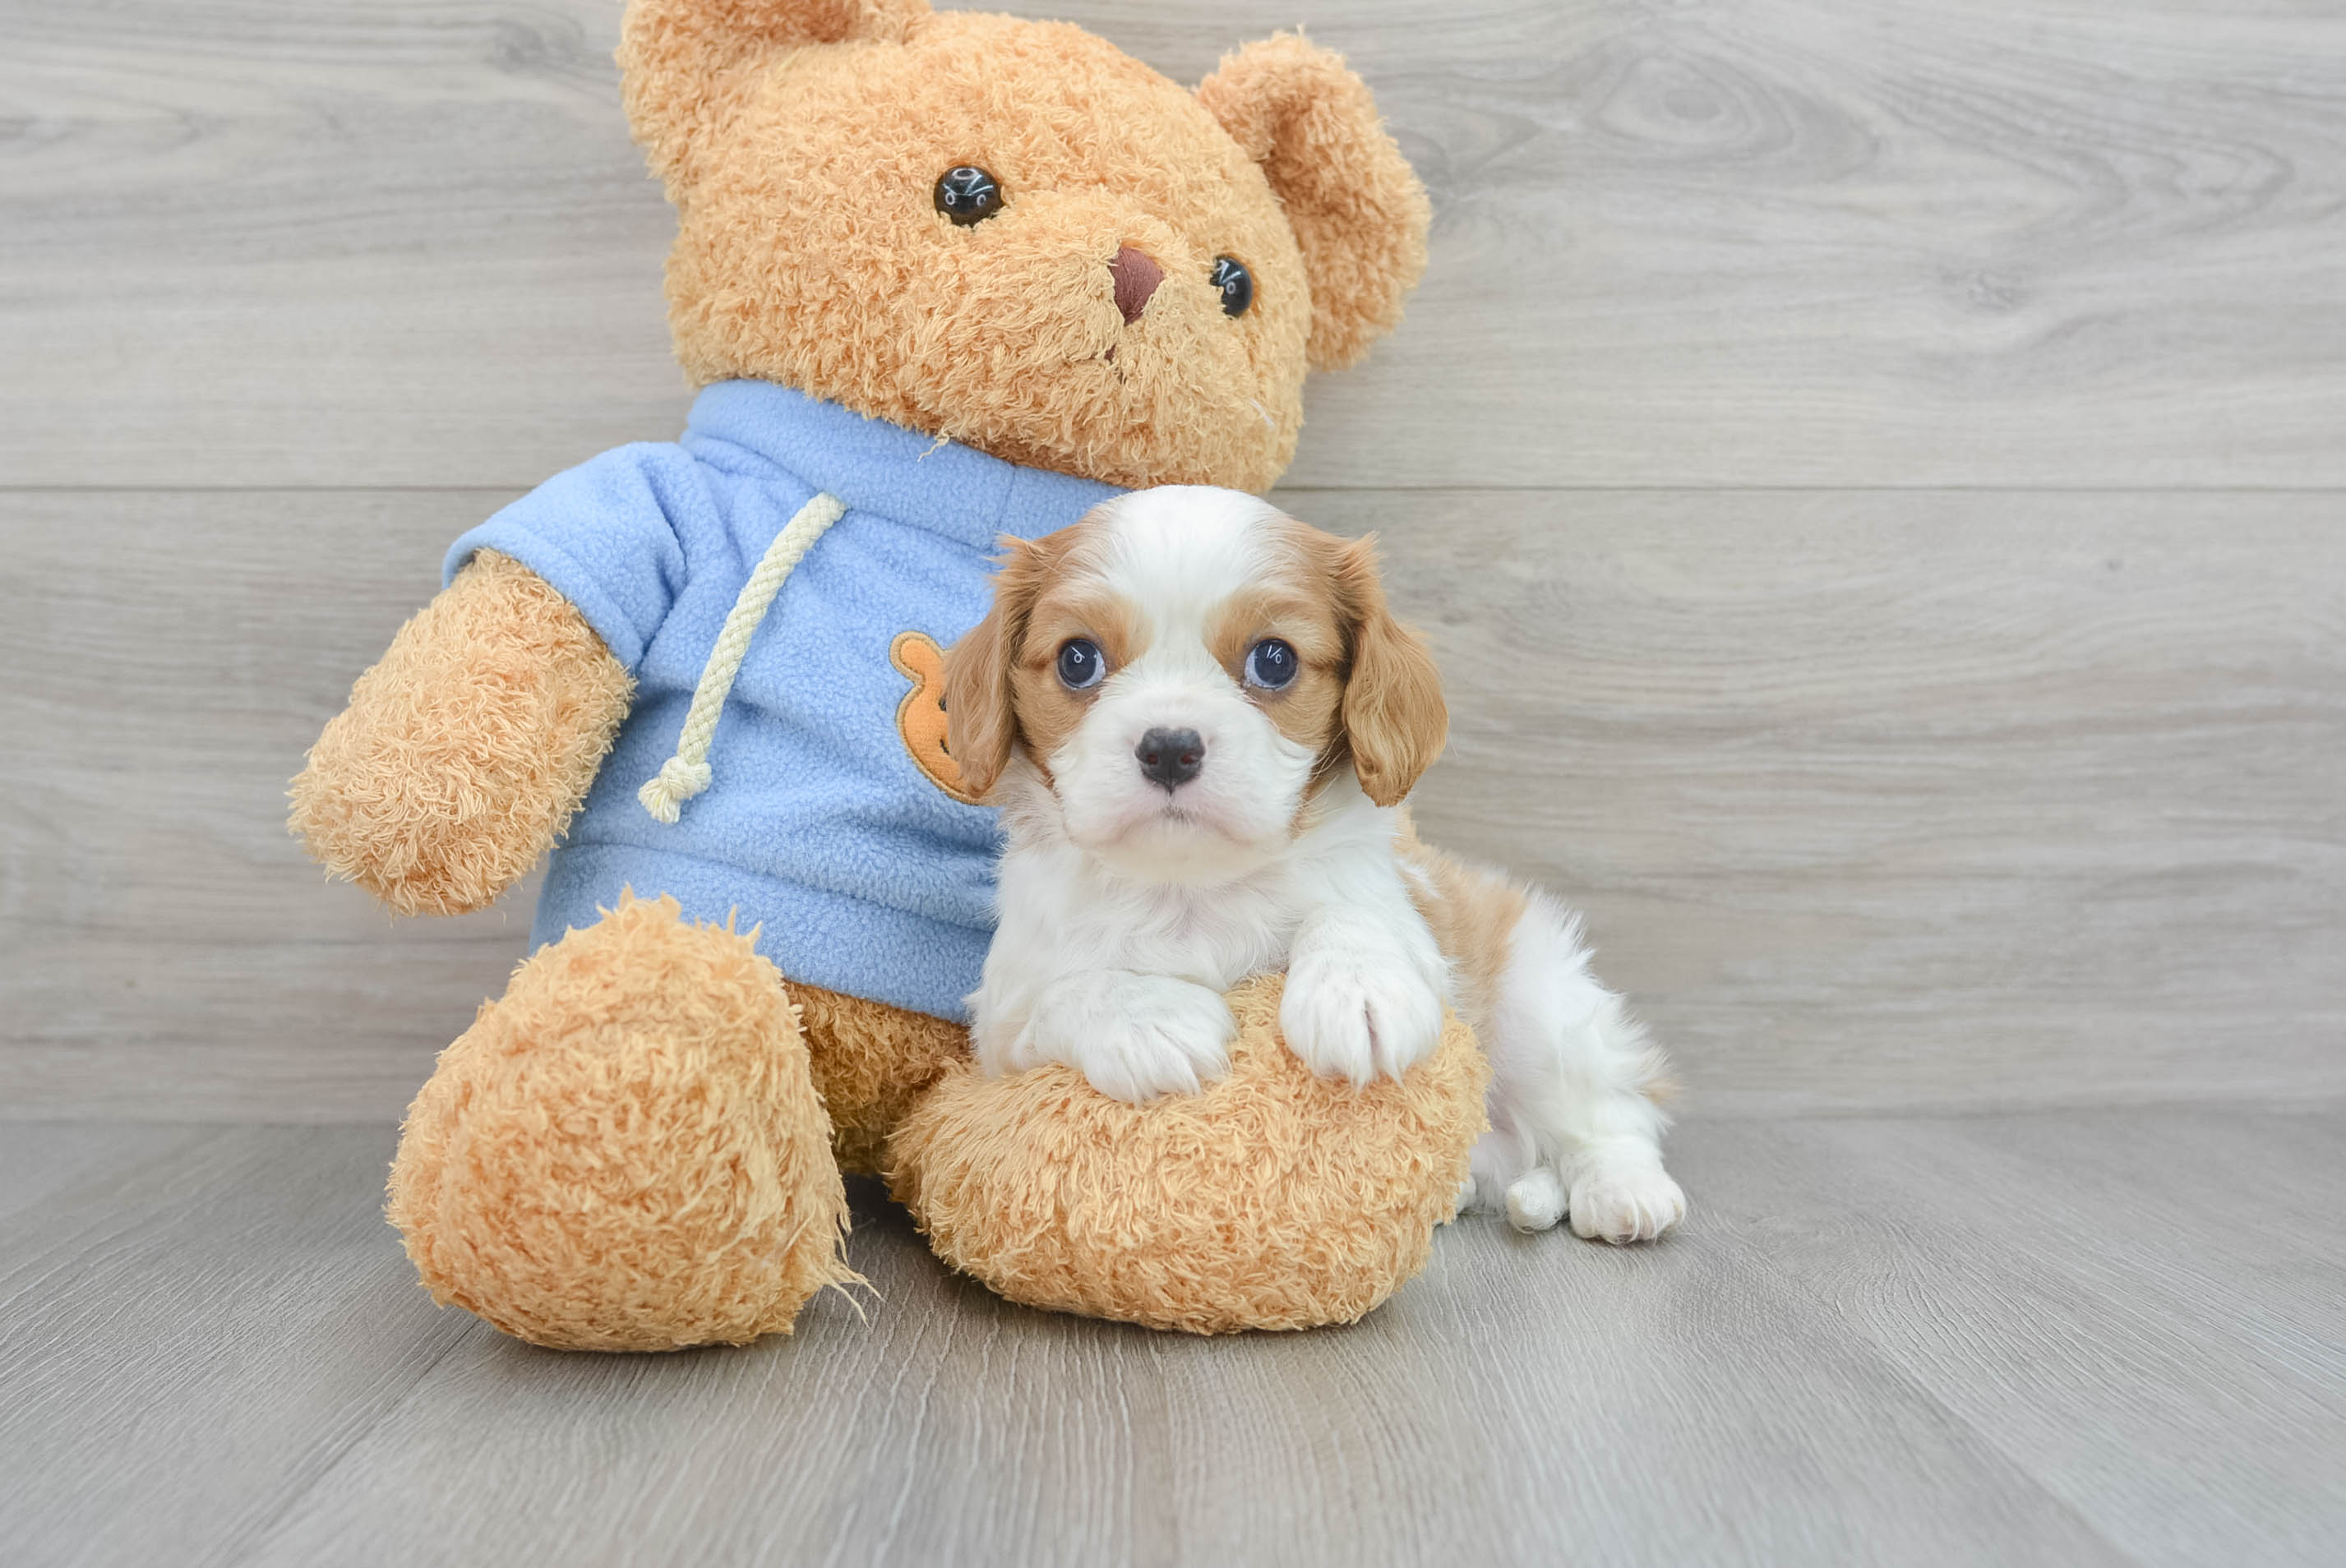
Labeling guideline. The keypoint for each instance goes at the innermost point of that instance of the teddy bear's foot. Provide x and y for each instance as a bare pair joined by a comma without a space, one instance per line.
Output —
627,1151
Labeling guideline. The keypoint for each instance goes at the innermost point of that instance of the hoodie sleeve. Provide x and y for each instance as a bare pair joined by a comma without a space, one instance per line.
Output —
608,535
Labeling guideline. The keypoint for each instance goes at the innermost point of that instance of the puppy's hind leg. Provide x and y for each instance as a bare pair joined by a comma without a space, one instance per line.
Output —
1577,1078
1574,1129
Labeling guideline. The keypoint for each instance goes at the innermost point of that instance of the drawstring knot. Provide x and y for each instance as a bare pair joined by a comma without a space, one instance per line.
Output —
665,793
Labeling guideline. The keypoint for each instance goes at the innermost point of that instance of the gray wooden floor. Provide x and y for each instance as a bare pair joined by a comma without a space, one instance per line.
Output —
1874,473
2062,1337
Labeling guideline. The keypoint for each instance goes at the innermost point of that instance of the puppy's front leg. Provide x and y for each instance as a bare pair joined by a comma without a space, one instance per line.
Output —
1365,984
1134,1036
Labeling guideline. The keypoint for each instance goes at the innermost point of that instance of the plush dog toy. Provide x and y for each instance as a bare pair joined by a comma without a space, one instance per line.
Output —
942,276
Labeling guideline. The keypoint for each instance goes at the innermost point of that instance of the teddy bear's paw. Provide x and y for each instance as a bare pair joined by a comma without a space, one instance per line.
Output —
1356,1012
1622,1200
1274,1200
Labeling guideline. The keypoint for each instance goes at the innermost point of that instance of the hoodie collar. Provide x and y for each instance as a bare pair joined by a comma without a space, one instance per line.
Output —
876,466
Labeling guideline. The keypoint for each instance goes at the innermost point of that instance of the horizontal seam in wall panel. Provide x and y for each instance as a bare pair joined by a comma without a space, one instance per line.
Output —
2211,490
2316,1107
1811,489
266,489
2313,1107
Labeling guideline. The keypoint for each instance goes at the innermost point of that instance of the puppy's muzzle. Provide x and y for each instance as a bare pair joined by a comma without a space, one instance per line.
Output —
1170,756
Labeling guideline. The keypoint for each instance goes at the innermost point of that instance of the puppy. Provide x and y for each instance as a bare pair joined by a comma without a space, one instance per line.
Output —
1199,721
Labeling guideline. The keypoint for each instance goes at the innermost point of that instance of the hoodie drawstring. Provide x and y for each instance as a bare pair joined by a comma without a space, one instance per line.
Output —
688,773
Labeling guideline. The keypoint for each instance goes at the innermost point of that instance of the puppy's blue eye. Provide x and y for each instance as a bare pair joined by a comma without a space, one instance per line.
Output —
1081,663
1271,664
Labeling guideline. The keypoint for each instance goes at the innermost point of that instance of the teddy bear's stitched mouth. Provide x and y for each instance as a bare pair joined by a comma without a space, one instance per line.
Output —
1106,356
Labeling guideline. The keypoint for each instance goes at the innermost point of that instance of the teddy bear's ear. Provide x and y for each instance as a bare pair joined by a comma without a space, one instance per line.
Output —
683,62
1359,213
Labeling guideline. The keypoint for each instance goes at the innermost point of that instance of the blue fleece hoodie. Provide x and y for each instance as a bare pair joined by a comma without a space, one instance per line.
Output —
819,827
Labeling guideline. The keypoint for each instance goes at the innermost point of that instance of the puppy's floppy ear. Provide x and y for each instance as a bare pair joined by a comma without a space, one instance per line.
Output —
981,713
1395,718
684,64
1360,215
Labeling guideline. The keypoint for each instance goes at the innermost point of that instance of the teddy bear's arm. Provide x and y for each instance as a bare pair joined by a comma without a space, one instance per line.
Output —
468,748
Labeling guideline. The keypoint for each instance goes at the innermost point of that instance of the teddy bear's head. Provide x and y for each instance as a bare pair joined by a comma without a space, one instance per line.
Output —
1011,234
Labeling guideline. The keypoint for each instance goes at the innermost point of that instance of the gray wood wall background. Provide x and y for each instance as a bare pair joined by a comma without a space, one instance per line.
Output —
1873,469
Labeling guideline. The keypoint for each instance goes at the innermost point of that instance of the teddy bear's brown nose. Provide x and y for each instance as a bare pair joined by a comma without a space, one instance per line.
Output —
1136,275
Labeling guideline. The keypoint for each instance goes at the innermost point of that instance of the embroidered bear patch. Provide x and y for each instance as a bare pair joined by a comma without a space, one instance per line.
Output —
921,716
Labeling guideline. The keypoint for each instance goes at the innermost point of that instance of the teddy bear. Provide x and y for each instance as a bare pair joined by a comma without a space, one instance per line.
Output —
940,277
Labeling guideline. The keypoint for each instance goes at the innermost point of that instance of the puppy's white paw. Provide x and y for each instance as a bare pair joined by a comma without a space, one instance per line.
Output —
1352,1014
1536,1200
1169,1037
1621,1201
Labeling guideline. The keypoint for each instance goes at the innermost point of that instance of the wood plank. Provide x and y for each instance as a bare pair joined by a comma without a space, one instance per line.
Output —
1902,799
2006,1339
1527,1402
1875,800
1823,242
39,1161
166,949
189,1340
2145,1342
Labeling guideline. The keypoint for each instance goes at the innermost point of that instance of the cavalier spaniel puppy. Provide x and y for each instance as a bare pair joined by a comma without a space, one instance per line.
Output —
1199,721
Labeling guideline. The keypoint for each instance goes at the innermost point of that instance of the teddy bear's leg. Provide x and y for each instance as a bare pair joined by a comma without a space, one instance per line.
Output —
627,1151
871,1065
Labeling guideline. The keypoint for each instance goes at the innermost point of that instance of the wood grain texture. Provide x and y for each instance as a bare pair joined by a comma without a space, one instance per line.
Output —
1822,242
2082,1289
192,1332
165,947
1883,799
1874,800
2010,1338
2005,765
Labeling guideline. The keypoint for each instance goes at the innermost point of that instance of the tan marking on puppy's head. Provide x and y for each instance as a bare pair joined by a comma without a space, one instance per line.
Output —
1002,689
1395,721
1180,592
1074,604
981,724
1369,692
1296,610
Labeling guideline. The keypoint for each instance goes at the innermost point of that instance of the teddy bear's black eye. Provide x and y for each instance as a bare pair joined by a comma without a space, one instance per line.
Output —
1236,284
968,194
1081,663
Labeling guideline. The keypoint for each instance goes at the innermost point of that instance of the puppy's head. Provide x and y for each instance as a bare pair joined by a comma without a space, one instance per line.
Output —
1186,670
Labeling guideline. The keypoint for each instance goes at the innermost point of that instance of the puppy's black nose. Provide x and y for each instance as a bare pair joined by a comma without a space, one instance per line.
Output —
1170,756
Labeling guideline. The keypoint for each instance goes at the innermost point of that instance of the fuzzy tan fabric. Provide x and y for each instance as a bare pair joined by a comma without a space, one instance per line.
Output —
466,747
872,1062
1359,213
1272,1200
626,1152
801,141
631,1149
